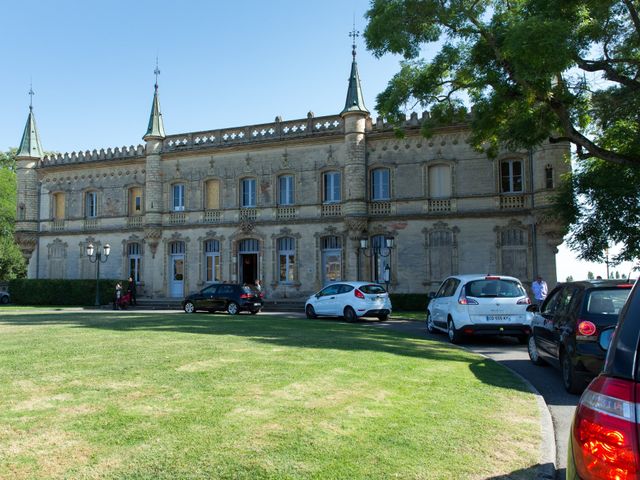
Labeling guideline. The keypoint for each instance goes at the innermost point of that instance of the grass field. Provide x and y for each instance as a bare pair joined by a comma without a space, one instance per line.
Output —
175,396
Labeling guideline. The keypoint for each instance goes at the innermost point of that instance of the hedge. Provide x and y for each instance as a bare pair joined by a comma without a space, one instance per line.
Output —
61,292
409,301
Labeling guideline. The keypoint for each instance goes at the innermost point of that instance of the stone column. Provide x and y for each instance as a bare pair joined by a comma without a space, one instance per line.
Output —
153,206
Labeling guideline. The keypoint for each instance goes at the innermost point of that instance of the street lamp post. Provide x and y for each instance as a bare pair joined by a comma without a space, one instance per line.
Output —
377,251
98,259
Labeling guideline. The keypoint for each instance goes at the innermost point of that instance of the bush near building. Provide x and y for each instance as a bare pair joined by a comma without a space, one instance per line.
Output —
61,292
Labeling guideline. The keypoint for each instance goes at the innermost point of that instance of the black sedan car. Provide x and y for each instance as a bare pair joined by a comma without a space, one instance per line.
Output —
604,441
566,327
224,297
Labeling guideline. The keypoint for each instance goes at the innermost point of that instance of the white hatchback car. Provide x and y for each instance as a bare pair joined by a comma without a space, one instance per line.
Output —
480,305
350,300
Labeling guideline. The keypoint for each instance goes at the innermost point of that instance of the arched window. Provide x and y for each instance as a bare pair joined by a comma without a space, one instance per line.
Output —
286,259
178,197
212,195
248,193
176,248
380,184
213,268
134,259
286,190
440,181
511,176
91,204
331,187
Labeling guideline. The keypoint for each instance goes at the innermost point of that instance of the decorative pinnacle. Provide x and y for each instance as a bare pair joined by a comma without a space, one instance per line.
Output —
354,34
156,72
31,94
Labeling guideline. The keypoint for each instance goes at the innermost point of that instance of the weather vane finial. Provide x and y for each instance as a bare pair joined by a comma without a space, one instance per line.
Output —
354,34
31,94
156,72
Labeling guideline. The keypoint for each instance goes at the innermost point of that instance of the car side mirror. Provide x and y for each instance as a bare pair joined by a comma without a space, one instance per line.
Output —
432,295
318,295
605,338
533,308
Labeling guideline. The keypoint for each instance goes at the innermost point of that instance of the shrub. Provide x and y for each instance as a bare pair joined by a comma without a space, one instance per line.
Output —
409,301
60,292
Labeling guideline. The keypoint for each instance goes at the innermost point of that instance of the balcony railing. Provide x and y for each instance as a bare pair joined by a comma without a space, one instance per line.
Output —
91,223
440,205
134,222
509,202
380,208
248,214
211,216
57,225
284,213
178,218
331,210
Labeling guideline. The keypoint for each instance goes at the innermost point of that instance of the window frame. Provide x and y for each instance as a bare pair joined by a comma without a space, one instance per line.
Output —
286,196
329,188
511,176
380,184
251,193
180,190
91,206
286,259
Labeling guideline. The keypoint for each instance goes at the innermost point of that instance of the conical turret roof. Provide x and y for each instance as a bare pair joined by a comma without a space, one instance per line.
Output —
355,99
155,130
30,144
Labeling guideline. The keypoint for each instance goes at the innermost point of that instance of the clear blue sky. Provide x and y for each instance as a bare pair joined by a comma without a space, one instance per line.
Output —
223,64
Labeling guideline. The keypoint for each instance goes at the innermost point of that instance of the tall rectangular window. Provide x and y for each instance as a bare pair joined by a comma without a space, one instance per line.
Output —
248,193
380,188
332,187
58,206
440,181
178,197
511,176
212,192
91,206
287,259
285,190
135,201
133,253
213,268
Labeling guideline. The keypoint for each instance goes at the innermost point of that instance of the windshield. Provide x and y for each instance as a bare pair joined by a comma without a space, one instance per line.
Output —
494,288
607,301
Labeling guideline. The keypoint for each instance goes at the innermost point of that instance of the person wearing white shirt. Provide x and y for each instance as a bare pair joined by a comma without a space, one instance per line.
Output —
540,290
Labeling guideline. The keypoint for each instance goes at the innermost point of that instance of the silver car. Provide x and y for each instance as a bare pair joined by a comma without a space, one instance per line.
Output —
350,300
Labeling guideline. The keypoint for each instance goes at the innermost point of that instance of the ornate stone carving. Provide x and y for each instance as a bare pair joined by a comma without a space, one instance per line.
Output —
356,226
152,237
26,242
247,226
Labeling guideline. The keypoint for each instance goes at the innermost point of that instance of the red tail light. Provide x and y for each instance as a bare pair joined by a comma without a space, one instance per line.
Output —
358,293
261,294
604,436
624,285
524,301
463,300
586,328
245,295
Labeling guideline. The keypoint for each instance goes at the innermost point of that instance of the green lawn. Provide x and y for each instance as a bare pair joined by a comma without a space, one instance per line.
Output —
177,396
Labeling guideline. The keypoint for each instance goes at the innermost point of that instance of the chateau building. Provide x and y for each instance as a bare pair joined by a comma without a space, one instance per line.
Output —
295,203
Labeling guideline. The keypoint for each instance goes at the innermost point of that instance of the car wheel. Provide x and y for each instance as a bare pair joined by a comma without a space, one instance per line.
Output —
431,328
232,308
311,313
189,307
534,355
350,314
571,383
454,334
4,299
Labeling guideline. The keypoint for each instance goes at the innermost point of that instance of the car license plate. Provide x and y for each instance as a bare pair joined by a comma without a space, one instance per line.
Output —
256,304
498,318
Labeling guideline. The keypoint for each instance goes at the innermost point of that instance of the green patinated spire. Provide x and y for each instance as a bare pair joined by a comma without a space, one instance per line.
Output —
355,99
30,143
155,130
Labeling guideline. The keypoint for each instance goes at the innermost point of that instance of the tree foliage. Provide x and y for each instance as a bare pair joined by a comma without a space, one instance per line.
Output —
532,70
12,263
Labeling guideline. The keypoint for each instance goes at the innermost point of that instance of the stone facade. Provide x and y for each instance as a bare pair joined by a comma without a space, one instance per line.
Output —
289,202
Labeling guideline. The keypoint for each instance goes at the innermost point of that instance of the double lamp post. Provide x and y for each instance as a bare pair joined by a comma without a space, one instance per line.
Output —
377,251
98,258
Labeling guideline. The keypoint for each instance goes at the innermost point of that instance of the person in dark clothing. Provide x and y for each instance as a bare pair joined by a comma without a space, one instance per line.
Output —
132,291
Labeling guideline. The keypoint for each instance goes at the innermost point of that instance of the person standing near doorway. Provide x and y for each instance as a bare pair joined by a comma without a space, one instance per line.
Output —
132,291
540,290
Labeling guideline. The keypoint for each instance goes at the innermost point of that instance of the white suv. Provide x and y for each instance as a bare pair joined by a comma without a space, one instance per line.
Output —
350,300
480,305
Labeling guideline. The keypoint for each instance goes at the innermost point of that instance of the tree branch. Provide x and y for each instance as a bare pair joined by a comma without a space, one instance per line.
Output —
634,15
610,73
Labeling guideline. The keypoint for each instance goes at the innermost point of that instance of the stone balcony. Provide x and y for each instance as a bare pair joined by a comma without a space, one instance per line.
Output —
331,210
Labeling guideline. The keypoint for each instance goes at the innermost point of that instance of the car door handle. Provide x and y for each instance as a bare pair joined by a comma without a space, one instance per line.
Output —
332,298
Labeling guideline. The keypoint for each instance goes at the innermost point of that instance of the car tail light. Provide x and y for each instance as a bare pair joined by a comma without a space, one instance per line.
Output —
604,436
586,328
463,300
245,295
524,301
624,285
358,293
261,295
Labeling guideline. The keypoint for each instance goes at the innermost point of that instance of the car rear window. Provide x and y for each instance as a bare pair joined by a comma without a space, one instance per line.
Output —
494,288
248,289
607,301
372,289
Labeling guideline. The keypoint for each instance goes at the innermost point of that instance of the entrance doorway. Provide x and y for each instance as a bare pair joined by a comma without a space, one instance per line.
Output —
176,270
248,251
